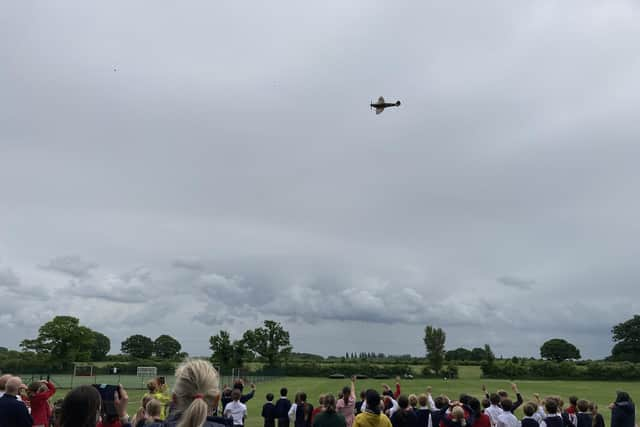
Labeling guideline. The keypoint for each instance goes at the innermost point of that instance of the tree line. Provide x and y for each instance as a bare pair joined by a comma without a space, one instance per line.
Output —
63,341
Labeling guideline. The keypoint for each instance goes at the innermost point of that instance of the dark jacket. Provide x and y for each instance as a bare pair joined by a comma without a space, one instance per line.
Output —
14,413
623,414
584,419
423,416
282,412
269,414
404,418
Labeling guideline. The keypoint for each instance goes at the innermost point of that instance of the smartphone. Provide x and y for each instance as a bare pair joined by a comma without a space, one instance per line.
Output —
107,392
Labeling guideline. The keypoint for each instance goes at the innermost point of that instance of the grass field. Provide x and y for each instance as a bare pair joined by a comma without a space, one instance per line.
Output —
602,392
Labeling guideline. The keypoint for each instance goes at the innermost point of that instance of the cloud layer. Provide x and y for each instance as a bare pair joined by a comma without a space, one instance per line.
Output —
230,170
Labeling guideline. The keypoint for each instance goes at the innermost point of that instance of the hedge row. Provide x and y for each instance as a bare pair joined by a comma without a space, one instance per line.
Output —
531,369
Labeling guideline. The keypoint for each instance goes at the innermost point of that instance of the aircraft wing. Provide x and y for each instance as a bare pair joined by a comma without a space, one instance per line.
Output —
381,100
379,109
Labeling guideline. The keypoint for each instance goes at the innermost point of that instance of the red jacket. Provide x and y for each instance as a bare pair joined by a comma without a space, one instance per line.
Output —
40,410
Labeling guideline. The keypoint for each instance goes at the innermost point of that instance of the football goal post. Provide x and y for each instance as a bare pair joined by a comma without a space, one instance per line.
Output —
146,372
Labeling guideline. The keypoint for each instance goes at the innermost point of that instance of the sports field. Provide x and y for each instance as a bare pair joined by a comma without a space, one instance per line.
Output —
602,392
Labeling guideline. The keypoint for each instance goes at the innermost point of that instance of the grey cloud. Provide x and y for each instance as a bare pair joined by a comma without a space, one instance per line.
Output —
517,282
8,279
188,264
71,265
265,187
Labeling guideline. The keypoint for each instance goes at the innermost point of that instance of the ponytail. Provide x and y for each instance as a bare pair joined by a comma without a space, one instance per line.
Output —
195,415
330,404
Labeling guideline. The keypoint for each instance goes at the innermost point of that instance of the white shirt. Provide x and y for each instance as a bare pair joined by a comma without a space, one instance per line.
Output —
507,419
237,411
494,411
539,415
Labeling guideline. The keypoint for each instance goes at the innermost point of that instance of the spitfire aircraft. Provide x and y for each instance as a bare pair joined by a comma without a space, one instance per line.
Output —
381,105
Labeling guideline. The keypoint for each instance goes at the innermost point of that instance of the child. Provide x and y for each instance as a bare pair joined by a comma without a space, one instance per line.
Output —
598,421
583,417
359,403
572,410
319,409
300,412
153,410
269,412
507,419
529,410
39,394
283,405
553,418
141,415
236,409
423,413
481,419
494,411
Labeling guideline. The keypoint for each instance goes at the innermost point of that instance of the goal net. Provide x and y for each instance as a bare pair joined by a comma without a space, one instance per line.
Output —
82,370
147,371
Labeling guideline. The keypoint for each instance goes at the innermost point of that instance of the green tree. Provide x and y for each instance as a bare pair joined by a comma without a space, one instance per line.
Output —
101,346
459,353
166,347
137,346
240,353
478,354
626,335
63,340
558,349
434,339
222,348
489,354
271,342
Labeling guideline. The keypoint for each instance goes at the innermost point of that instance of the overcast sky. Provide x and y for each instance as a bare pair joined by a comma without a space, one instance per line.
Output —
185,168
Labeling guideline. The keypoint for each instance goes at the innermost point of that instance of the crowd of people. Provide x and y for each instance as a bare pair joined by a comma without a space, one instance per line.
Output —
197,401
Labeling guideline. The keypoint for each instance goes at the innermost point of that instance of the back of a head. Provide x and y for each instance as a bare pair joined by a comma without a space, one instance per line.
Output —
152,386
551,405
464,398
154,408
622,396
303,397
413,400
503,394
474,404
457,414
3,381
485,403
363,395
283,391
34,387
236,394
529,409
373,399
573,400
329,403
423,400
321,400
195,390
494,398
403,401
440,402
582,405
346,394
12,386
269,397
507,404
80,407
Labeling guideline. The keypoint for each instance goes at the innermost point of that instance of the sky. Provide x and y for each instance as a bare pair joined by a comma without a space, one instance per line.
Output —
186,168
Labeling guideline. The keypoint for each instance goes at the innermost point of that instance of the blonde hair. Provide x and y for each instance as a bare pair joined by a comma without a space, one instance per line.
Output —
195,377
153,408
457,413
413,400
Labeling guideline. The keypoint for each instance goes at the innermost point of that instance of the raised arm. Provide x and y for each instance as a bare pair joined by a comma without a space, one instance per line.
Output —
397,393
518,401
353,387
432,404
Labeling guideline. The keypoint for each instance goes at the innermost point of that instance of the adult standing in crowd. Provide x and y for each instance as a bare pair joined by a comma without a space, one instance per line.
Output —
13,413
283,405
623,411
372,415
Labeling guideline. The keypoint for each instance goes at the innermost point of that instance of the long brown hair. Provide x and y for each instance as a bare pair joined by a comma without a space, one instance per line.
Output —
330,403
80,407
